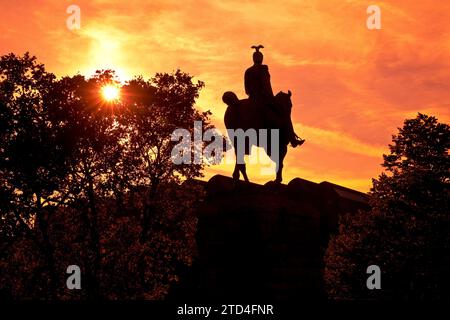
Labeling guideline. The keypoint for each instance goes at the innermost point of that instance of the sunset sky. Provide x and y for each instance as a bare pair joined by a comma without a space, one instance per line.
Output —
352,87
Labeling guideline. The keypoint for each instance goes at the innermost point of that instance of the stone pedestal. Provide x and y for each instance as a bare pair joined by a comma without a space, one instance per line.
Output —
266,242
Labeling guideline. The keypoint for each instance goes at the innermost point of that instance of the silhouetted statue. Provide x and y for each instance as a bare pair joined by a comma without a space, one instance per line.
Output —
262,110
243,114
259,90
257,80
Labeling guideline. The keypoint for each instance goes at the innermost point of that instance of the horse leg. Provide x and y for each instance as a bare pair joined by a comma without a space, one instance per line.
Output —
279,177
236,172
240,167
239,161
279,166
242,162
244,172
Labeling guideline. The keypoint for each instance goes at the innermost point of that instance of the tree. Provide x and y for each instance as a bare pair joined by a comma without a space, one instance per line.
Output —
153,110
32,162
95,151
406,232
89,182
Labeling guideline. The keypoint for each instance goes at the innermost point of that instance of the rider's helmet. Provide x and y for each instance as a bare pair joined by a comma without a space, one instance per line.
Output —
257,55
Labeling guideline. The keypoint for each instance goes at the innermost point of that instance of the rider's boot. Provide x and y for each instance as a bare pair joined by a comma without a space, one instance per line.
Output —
296,141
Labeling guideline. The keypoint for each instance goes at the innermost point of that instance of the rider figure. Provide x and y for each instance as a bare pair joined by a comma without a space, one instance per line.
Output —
258,88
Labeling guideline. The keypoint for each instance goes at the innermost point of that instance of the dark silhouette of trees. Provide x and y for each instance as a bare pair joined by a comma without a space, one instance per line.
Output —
89,182
93,139
153,110
32,156
406,233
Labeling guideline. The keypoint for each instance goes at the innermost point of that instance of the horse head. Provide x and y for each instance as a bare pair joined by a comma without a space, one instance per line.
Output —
284,100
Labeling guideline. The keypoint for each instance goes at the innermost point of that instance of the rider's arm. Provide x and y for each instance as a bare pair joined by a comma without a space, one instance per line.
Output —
247,82
266,82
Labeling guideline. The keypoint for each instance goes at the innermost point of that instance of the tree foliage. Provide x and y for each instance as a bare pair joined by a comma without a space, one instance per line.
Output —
89,182
406,232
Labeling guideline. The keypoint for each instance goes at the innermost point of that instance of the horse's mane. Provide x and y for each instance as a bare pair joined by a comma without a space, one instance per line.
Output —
281,93
283,99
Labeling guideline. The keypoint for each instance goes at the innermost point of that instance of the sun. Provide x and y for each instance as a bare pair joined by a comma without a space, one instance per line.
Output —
110,92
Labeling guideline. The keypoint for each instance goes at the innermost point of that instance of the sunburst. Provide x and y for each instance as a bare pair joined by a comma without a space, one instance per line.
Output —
110,92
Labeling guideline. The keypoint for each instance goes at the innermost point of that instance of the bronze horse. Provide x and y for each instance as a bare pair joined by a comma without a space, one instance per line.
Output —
242,114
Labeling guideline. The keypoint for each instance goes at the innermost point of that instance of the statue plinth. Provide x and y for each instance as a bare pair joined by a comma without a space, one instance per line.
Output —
266,242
